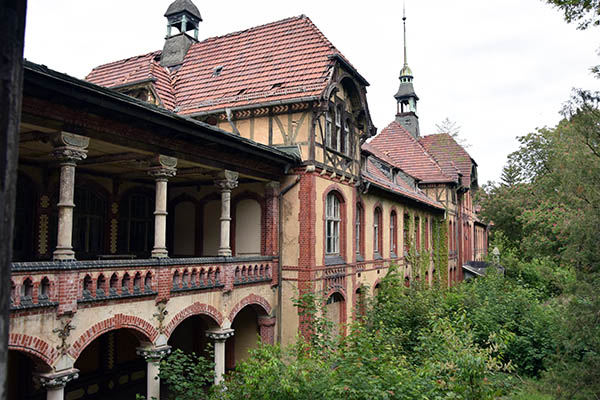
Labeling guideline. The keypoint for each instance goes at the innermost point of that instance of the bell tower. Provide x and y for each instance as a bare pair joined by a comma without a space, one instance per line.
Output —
182,17
406,98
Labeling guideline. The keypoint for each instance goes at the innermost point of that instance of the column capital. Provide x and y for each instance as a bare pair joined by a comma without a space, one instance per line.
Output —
55,380
163,167
219,334
272,188
70,147
153,354
266,321
226,179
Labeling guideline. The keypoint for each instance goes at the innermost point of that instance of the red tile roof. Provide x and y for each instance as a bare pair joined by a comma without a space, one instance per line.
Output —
408,154
284,60
450,155
399,186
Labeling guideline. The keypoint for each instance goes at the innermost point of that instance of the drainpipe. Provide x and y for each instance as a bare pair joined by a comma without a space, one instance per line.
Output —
280,264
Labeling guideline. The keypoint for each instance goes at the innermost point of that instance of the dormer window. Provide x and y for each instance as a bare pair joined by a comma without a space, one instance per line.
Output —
217,70
328,128
338,129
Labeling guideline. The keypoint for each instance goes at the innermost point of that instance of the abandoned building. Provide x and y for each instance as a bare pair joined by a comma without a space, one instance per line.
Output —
188,195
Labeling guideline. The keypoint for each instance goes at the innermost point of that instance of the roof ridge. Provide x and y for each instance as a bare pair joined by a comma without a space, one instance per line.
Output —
155,52
256,27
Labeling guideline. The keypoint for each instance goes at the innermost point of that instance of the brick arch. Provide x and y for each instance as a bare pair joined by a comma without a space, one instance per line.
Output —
34,346
253,299
336,289
377,282
142,328
195,309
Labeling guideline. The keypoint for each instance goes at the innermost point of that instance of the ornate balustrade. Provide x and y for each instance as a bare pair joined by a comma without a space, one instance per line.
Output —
68,283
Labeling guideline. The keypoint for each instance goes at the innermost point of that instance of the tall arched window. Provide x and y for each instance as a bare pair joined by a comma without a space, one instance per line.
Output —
405,233
88,222
357,229
338,128
136,225
332,221
393,234
377,231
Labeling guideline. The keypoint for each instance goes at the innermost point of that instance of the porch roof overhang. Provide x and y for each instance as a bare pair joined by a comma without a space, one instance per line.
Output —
163,131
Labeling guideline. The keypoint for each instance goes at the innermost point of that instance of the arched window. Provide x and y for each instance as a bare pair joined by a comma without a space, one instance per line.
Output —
332,221
405,233
136,226
44,294
357,228
377,231
393,234
88,222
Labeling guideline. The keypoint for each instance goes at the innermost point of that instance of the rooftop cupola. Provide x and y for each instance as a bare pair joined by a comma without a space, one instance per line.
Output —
406,97
184,16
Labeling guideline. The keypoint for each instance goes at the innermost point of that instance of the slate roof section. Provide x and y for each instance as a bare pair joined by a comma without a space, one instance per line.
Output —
285,60
374,175
408,154
450,155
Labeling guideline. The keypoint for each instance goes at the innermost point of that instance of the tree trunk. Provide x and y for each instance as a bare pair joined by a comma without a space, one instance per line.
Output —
12,32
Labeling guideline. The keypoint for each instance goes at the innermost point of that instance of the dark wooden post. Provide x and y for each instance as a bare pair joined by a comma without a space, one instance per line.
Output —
12,32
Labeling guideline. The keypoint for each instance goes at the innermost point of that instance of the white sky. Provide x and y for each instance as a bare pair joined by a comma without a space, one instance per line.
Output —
499,68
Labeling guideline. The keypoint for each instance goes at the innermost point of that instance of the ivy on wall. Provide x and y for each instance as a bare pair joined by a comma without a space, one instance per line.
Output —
440,249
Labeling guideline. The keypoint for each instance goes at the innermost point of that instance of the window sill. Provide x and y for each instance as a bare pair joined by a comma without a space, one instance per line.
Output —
393,255
359,258
334,259
377,256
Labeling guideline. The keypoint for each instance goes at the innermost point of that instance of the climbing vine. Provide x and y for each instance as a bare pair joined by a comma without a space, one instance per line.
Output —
440,249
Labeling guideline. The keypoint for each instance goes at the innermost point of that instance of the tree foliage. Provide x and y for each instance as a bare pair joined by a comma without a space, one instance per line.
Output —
585,13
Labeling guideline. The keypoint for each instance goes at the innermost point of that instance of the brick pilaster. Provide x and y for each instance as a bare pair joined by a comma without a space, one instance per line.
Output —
267,329
68,289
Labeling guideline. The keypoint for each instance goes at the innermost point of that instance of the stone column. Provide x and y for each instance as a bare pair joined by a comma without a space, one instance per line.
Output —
227,181
219,336
68,149
153,355
267,329
162,169
55,382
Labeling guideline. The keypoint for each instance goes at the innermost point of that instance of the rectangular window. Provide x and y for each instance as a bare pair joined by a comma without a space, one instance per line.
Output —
426,234
328,125
332,218
393,233
338,129
418,232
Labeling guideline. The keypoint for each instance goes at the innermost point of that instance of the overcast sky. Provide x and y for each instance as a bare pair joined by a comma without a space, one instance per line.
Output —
498,68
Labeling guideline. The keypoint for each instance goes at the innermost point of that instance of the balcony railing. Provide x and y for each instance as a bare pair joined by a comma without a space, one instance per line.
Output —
69,283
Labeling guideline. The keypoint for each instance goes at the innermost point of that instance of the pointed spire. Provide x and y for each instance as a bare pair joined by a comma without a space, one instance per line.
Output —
404,23
405,71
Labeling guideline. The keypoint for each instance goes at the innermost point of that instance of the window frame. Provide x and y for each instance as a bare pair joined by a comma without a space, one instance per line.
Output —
377,233
393,234
333,221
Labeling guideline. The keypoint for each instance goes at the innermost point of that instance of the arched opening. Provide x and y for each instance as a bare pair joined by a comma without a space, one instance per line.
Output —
211,228
109,367
247,228
20,370
190,335
27,292
334,309
246,337
184,229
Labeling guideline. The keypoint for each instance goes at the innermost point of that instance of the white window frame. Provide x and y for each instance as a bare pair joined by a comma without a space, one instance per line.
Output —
332,224
328,126
376,218
357,227
338,127
392,233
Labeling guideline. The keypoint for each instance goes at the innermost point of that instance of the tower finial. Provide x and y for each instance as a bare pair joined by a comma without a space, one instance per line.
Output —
404,23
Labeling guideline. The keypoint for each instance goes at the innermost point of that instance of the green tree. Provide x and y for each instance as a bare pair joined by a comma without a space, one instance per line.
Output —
584,12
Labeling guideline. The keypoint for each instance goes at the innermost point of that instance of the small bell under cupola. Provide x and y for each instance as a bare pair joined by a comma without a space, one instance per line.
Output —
406,98
183,17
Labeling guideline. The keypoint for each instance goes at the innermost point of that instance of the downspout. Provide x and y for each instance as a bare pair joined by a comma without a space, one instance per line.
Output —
280,264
